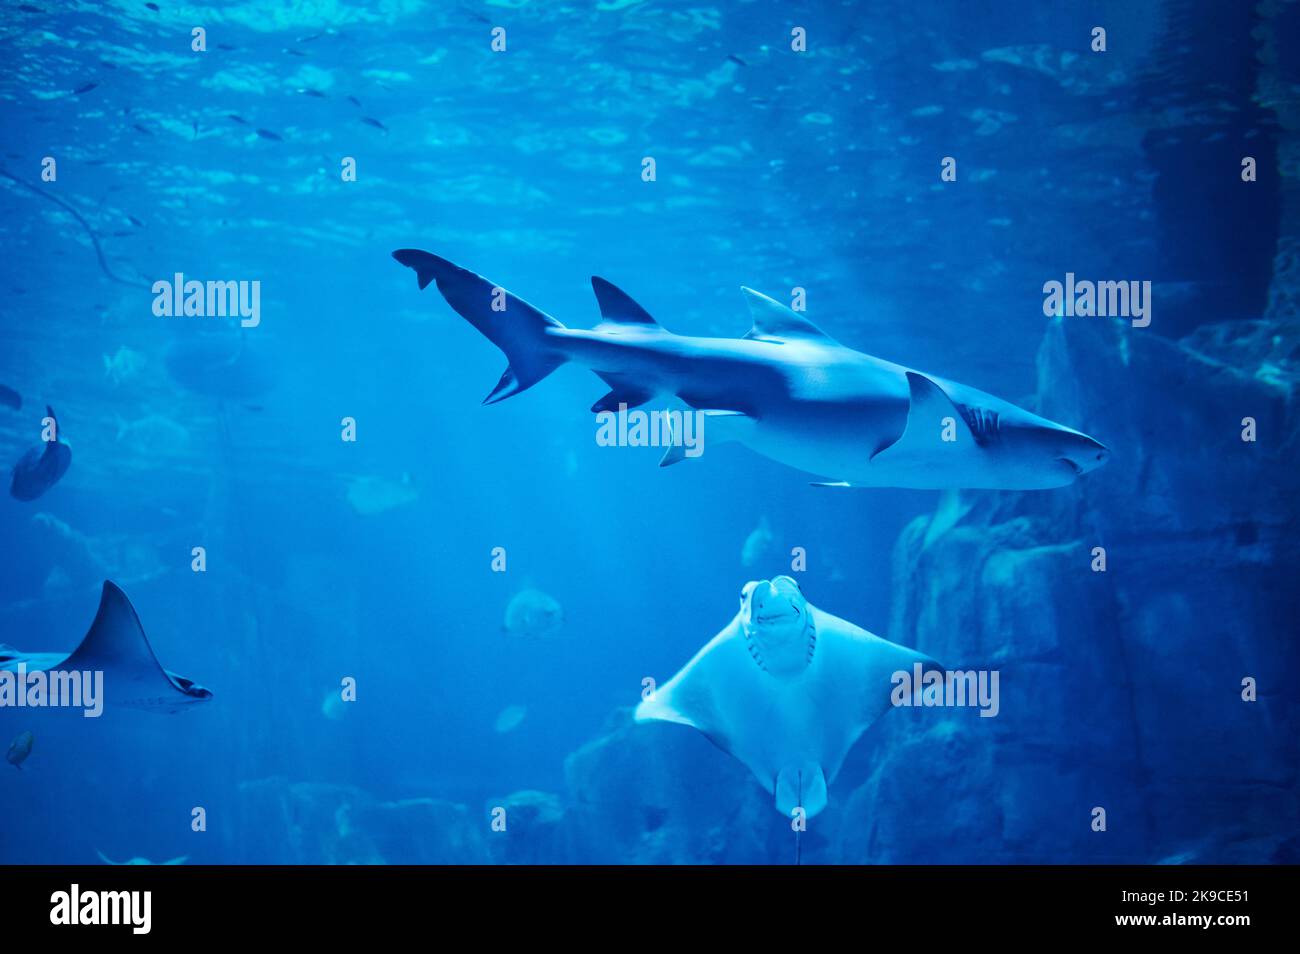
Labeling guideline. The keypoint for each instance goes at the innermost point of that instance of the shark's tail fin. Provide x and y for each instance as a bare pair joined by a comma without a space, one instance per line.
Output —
510,323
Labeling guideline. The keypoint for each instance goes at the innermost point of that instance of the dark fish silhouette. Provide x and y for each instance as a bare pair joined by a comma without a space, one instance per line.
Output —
153,7
374,122
40,469
267,134
134,221
354,101
226,46
237,119
735,59
312,92
9,397
138,128
84,89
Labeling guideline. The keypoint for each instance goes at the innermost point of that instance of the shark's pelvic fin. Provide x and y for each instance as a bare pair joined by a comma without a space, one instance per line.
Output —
719,427
928,414
623,390
776,323
510,323
617,308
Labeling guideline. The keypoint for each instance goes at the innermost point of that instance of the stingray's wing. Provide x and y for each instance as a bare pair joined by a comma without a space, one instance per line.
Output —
860,669
117,646
690,698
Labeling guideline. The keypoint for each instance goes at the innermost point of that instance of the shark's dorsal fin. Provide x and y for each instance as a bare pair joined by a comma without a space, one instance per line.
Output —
776,323
927,410
618,308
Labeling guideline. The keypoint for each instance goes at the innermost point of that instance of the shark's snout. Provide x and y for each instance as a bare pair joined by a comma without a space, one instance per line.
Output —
1085,454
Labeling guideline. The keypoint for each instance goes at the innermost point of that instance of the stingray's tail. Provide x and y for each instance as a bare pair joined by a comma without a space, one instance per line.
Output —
510,323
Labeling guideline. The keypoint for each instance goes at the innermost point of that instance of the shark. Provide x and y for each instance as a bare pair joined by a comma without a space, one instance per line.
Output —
786,389
787,689
116,646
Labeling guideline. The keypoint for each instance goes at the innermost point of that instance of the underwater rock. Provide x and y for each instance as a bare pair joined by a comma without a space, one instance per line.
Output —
535,831
653,794
1121,688
284,822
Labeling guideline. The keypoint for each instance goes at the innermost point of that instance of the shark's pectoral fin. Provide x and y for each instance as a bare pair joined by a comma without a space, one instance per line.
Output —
801,786
717,427
934,424
830,483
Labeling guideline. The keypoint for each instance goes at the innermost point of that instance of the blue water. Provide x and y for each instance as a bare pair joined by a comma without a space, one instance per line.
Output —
775,169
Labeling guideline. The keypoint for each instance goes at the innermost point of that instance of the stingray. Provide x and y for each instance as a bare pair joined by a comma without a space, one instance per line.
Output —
218,365
41,468
787,689
116,646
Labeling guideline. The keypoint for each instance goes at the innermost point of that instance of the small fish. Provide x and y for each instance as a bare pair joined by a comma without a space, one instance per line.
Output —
267,134
226,46
293,52
19,749
533,613
509,718
756,544
134,221
334,707
84,89
138,128
153,7
735,59
312,92
238,119
354,101
374,122
10,398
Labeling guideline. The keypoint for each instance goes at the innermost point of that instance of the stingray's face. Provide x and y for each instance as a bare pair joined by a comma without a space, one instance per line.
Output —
777,623
188,693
